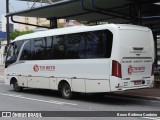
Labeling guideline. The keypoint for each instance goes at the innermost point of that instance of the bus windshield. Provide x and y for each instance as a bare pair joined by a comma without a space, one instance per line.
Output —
11,54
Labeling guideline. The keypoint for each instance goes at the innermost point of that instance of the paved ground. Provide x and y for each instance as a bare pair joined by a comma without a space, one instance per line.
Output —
149,93
47,100
1,73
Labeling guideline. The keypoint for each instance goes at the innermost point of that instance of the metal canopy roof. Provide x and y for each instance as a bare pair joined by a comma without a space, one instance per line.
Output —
114,11
72,9
42,1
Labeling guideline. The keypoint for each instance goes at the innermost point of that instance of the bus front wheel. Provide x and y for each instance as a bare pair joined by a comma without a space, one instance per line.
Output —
66,91
16,87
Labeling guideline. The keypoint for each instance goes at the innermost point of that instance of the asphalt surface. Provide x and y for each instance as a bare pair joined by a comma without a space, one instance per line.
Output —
1,73
48,100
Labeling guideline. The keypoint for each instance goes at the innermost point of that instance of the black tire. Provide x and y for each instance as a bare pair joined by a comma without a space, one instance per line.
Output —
66,91
16,87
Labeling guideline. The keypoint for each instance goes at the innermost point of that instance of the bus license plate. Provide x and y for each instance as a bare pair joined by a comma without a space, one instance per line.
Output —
137,82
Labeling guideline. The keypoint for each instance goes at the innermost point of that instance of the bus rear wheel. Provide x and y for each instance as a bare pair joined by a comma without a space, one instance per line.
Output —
66,91
16,87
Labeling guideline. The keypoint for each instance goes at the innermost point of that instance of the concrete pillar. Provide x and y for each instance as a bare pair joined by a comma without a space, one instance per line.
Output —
53,23
135,13
155,43
7,22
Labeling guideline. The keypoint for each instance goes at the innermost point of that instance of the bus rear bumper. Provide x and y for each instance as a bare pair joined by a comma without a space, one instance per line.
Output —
117,84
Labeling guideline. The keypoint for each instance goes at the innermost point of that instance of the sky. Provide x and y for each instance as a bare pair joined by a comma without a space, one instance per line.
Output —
14,6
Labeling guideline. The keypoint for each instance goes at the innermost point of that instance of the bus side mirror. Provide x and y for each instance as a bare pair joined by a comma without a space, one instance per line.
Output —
8,62
5,50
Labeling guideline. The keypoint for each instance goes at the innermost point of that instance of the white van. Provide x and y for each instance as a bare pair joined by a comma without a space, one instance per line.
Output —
86,59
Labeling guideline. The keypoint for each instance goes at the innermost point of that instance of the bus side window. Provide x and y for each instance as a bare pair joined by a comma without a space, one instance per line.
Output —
58,47
38,48
25,55
75,47
17,47
49,49
94,41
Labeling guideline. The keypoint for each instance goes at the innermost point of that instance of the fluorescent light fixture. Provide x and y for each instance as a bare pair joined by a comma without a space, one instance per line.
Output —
157,3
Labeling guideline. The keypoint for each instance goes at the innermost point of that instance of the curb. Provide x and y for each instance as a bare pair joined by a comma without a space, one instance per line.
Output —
138,96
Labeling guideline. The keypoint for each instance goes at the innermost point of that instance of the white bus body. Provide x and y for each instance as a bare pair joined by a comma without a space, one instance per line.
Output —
124,62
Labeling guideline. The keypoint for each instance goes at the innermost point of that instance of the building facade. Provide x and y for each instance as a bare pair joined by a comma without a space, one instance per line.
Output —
30,20
2,49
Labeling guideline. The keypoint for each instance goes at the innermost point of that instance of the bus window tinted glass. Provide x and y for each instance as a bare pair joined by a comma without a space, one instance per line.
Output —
49,50
38,49
58,47
97,44
85,45
17,47
75,47
25,55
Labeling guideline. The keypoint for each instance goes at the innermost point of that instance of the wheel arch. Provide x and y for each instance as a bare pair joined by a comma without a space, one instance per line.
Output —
61,82
12,80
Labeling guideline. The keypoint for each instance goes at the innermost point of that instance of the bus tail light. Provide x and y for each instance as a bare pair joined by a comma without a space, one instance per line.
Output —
116,69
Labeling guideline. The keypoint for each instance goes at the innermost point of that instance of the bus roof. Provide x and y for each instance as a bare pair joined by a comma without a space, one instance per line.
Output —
77,29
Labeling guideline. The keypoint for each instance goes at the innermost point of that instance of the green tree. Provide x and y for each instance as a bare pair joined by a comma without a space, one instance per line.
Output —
17,33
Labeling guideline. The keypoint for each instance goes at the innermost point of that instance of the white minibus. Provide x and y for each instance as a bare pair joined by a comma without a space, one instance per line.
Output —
83,59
